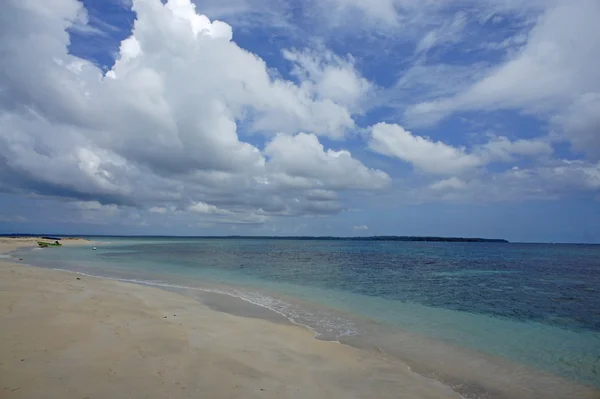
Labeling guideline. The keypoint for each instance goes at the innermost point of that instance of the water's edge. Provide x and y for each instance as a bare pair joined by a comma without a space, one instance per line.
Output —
469,373
465,387
265,313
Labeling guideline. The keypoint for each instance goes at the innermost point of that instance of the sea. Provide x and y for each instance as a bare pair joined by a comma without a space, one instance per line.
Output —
491,320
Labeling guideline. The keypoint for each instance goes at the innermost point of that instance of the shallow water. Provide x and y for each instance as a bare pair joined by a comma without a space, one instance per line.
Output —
531,305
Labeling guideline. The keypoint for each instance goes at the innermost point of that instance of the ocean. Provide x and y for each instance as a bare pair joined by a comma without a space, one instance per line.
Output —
463,313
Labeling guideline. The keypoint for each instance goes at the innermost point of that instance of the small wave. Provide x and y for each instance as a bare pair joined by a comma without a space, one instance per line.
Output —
5,257
322,324
329,328
471,272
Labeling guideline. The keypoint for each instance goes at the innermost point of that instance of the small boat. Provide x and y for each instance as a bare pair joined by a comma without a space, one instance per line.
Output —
49,244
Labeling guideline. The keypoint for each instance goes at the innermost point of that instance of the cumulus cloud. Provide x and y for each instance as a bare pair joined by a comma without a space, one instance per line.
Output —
330,76
161,129
439,158
425,154
301,161
500,148
360,227
189,127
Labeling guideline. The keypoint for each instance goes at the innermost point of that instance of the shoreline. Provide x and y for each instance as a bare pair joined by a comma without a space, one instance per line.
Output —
492,387
96,337
14,243
487,373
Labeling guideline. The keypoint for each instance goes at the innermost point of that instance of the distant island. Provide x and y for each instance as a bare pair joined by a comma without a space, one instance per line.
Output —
314,238
432,239
373,238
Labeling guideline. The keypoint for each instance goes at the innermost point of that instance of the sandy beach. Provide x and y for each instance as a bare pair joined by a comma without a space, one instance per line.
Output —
8,244
70,336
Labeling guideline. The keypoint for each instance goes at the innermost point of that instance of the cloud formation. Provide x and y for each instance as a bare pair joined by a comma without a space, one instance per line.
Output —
330,76
435,157
191,126
547,181
554,76
161,129
425,154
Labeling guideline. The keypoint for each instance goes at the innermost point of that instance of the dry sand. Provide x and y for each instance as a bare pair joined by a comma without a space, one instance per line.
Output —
8,244
69,336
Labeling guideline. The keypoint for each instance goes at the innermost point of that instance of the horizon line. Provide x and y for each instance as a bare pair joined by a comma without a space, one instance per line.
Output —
428,238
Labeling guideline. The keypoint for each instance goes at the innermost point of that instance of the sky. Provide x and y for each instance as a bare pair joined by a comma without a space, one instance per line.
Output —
476,118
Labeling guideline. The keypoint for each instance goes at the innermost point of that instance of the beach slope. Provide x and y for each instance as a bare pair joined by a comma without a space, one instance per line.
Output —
70,336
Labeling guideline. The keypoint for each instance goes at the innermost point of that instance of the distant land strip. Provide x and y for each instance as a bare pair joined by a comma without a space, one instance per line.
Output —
315,238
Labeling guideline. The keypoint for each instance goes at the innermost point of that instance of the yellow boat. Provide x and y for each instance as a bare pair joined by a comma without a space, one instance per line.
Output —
49,244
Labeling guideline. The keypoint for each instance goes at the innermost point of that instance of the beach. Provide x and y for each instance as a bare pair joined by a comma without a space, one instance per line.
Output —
71,336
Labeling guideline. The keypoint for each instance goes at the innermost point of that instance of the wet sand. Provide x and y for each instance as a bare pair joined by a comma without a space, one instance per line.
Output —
71,336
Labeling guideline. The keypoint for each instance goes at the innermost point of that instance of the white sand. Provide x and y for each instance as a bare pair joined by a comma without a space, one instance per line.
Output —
63,335
69,336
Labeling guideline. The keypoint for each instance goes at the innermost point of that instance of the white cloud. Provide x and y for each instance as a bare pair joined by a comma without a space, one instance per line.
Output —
162,129
555,73
203,207
580,123
301,161
549,180
449,32
423,82
234,91
453,183
414,18
330,76
172,126
500,148
361,227
575,174
425,154
439,158
89,205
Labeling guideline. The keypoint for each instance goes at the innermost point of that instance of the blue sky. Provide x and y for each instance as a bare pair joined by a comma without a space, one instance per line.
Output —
278,117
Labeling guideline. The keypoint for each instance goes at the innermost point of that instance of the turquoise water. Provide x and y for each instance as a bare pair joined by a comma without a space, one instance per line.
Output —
536,305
